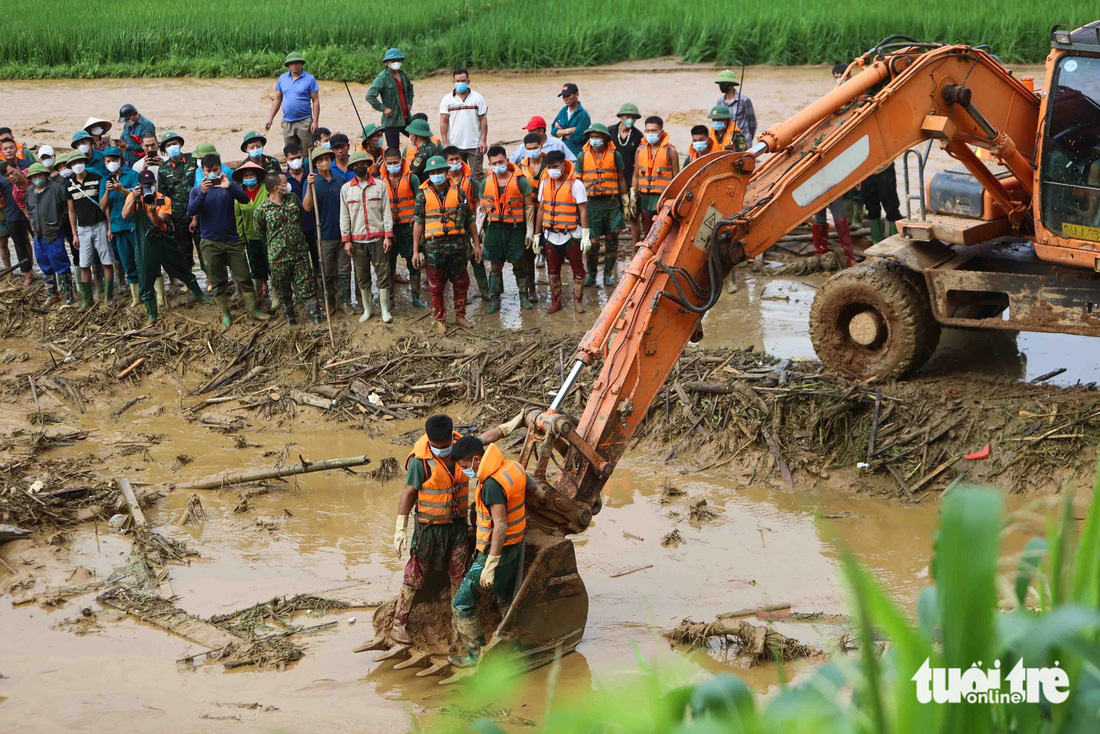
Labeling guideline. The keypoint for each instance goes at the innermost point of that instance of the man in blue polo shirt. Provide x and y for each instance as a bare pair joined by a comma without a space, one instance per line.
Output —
335,263
298,94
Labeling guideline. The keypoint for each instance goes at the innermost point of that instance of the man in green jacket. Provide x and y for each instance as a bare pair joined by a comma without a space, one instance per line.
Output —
250,176
396,92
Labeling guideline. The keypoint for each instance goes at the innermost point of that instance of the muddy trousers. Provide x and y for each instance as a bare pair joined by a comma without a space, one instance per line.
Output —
364,255
20,235
336,269
161,251
417,568
555,256
469,591
460,281
221,255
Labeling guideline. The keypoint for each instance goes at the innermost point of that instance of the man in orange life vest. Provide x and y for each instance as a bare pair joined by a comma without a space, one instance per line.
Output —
562,218
508,201
499,491
655,165
440,491
601,169
403,186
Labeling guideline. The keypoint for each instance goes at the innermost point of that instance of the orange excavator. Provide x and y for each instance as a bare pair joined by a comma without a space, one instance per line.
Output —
1011,242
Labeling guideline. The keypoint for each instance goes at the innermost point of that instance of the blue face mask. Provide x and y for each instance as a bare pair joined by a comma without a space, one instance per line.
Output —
652,138
470,473
628,122
256,152
173,151
719,125
462,87
501,169
251,181
534,153
393,167
596,142
213,176
455,166
699,145
326,145
437,179
441,453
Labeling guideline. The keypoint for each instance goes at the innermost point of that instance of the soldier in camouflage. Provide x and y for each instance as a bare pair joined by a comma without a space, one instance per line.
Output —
279,221
175,179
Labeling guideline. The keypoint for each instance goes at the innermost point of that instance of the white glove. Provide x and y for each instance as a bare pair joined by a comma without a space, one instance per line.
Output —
586,241
633,203
507,428
529,238
400,534
489,573
625,199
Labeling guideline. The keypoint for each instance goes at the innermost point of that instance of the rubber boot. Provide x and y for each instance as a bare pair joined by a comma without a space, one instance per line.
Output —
135,295
821,238
893,229
196,291
731,282
610,263
555,294
151,310
313,307
223,304
52,299
86,299
875,225
343,293
845,237
251,308
287,302
108,293
482,280
578,295
65,283
367,301
524,297
469,631
592,265
398,632
276,300
414,282
258,289
384,299
495,287
158,287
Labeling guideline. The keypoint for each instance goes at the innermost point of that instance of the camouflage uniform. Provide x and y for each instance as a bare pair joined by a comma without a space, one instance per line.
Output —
427,150
269,164
175,179
446,257
280,225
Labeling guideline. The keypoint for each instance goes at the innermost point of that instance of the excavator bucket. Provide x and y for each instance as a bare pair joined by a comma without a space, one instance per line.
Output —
546,618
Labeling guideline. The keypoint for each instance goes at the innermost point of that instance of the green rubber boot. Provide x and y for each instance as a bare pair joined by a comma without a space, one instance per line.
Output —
521,284
592,265
469,631
86,298
414,285
196,291
108,293
151,310
251,309
893,229
223,304
610,262
482,280
876,229
495,289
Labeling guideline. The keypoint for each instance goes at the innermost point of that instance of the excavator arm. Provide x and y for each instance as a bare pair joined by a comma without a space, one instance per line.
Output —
726,207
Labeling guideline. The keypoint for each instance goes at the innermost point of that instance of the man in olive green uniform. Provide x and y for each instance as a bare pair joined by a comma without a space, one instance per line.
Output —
509,224
253,146
391,93
608,208
175,179
420,134
278,221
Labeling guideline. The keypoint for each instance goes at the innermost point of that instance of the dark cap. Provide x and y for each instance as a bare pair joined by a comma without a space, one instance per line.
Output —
569,88
147,178
339,139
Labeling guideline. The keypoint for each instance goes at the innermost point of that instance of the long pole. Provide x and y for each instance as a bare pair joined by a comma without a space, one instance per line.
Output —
227,479
361,125
321,260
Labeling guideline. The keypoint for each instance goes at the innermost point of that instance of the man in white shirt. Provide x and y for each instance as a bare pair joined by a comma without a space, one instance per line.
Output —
563,219
464,122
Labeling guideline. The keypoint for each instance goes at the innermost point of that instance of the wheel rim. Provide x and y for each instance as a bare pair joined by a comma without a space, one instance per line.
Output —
867,328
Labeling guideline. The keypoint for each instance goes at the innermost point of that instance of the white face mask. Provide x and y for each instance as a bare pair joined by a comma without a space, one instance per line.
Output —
84,148
67,173
78,168
47,162
295,164
554,172
287,189
97,131
395,65
113,166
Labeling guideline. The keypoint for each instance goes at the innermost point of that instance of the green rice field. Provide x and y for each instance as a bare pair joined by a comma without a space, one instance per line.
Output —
344,39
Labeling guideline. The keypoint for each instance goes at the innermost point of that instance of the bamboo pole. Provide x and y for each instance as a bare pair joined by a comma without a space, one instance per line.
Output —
321,259
227,479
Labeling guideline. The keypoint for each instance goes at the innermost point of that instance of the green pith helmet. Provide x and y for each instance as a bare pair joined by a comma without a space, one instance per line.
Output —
359,157
39,169
394,55
63,159
250,137
169,137
719,112
419,127
320,151
76,155
598,127
369,129
205,149
628,108
726,76
292,57
436,163
81,135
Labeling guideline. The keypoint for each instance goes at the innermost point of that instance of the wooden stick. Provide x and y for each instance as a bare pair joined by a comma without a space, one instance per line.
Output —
137,363
131,500
321,260
227,480
751,611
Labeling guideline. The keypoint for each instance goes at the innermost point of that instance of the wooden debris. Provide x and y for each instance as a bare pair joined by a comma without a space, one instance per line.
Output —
256,475
761,644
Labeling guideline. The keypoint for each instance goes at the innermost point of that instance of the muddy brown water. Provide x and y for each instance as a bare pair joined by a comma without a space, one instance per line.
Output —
324,533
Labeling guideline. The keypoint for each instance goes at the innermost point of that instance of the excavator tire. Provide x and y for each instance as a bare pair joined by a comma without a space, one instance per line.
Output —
869,324
916,281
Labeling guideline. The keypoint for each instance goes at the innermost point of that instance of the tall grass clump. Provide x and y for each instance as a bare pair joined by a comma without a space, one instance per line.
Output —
344,39
1052,587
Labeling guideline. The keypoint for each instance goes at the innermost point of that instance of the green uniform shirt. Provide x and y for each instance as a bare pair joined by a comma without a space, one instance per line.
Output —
427,150
602,203
175,179
280,226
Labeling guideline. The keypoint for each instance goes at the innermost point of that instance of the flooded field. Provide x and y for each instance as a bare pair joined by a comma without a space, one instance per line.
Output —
329,534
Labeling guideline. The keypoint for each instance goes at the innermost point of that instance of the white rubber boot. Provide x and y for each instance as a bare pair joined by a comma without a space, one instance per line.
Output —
158,287
368,304
384,302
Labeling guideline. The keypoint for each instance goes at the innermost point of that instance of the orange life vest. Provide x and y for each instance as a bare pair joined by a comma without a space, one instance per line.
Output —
531,174
403,200
444,496
694,155
514,480
506,209
411,150
441,218
465,183
600,176
560,212
728,141
654,166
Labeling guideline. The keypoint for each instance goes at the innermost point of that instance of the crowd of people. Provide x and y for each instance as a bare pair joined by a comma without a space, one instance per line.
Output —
294,228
